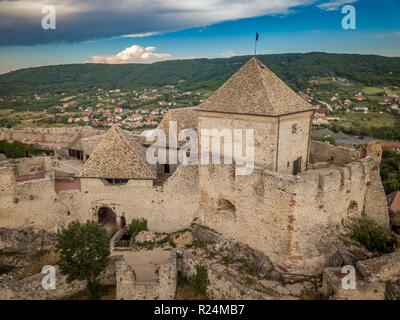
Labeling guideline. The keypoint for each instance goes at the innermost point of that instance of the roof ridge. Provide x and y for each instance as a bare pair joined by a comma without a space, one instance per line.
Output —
132,144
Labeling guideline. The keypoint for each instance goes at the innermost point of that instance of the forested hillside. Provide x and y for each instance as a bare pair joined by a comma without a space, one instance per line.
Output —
296,69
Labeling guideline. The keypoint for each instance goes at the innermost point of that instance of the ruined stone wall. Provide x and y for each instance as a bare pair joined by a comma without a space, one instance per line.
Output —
293,220
325,152
31,288
162,288
167,208
53,135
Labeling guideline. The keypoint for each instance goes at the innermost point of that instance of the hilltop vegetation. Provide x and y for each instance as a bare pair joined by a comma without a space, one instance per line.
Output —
294,68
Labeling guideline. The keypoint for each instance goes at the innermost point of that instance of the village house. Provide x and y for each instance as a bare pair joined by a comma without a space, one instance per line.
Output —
364,109
360,98
320,120
134,117
68,104
385,101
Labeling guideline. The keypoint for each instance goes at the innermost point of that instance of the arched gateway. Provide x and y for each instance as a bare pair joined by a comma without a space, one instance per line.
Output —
108,220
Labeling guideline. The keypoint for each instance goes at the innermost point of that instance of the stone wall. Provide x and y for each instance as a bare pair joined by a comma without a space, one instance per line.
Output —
25,238
265,134
292,220
294,136
220,285
31,288
162,288
52,135
325,152
167,208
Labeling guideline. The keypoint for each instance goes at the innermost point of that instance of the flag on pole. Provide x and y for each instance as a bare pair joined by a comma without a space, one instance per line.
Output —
255,44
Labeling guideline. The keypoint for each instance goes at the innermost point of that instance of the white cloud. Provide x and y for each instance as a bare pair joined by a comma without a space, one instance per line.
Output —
133,54
139,35
334,5
228,54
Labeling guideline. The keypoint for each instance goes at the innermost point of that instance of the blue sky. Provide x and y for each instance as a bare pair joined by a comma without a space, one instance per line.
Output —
99,31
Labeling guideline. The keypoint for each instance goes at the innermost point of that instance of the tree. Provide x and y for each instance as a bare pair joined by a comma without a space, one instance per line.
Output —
84,253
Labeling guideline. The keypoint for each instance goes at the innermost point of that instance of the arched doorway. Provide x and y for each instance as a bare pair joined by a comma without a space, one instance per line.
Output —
108,220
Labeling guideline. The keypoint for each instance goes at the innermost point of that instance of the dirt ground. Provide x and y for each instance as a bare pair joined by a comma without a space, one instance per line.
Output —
145,262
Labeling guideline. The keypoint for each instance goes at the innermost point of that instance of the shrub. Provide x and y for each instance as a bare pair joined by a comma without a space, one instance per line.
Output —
200,280
84,253
371,235
17,149
137,225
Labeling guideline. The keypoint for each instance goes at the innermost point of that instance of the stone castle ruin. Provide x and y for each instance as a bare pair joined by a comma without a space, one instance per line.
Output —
289,209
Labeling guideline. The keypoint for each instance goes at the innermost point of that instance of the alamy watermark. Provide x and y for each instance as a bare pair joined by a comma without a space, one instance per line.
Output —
349,20
349,280
49,20
49,280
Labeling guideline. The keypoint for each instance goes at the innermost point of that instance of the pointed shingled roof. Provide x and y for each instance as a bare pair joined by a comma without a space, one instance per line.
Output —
255,89
117,156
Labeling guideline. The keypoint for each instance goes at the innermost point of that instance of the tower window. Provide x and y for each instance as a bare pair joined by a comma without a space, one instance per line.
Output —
167,169
294,128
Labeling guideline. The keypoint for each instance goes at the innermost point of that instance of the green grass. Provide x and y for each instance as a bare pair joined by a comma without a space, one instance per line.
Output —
392,91
320,81
372,90
368,233
370,119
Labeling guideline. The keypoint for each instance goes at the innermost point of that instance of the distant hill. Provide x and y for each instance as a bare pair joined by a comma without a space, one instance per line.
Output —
294,68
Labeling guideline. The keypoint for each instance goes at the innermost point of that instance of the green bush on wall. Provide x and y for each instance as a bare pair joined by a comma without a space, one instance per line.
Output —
137,225
371,235
17,149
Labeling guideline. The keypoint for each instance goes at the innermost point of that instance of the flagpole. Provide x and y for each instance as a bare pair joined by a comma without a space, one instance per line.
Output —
255,45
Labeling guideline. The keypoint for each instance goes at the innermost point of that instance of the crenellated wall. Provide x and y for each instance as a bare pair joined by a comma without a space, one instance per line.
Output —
292,219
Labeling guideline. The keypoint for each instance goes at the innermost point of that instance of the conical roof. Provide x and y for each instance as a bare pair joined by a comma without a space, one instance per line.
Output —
117,156
255,89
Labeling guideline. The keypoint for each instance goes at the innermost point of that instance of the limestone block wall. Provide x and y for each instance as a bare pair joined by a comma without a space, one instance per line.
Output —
293,220
325,152
265,133
167,208
294,136
162,288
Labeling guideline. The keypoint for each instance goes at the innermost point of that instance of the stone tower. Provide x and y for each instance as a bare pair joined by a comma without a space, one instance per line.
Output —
254,97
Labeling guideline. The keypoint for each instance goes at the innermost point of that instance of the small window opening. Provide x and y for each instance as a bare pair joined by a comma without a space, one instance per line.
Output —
117,181
167,169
